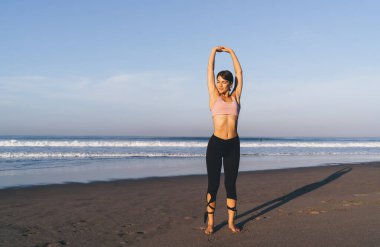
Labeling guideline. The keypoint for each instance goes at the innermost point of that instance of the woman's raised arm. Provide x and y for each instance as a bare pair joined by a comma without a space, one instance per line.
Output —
210,72
238,73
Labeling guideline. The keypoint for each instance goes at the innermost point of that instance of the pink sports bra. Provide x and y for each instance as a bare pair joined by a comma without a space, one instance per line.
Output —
225,108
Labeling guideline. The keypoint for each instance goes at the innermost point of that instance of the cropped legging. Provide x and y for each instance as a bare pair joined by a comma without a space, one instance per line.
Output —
229,151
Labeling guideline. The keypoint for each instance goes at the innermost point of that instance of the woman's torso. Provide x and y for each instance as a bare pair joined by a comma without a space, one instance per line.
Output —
225,125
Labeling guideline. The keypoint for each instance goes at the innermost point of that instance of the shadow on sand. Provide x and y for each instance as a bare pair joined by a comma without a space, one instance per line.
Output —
269,206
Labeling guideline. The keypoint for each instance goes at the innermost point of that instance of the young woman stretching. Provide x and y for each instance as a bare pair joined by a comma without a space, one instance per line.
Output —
224,143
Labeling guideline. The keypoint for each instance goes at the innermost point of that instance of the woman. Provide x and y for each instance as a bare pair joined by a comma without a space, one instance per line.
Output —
225,142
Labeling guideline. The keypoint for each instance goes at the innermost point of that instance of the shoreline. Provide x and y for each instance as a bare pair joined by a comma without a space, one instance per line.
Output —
332,205
147,178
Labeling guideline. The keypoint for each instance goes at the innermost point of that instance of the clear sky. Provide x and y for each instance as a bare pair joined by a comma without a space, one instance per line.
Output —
311,68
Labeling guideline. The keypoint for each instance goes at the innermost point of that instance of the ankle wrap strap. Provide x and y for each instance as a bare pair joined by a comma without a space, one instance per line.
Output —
205,216
233,209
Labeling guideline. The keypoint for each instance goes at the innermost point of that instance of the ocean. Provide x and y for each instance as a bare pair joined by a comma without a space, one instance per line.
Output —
36,160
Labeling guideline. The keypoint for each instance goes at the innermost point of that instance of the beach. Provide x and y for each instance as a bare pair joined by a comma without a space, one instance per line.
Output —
112,130
336,205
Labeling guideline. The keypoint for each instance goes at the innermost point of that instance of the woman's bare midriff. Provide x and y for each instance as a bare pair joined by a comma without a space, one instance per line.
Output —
225,126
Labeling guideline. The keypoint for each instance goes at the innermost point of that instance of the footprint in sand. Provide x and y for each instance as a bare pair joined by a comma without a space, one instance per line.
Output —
120,233
351,203
189,217
282,212
360,194
312,211
30,230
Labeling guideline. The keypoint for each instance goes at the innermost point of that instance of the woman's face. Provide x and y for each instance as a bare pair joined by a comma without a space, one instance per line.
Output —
222,85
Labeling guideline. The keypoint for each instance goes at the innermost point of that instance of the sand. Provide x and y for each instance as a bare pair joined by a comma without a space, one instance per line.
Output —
317,206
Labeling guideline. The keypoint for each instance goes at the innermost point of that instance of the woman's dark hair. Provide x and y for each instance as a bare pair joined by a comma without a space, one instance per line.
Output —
226,75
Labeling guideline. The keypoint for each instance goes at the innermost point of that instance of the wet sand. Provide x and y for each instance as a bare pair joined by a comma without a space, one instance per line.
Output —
317,206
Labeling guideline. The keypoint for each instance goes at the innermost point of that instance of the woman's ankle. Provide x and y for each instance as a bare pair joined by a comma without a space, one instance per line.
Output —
231,223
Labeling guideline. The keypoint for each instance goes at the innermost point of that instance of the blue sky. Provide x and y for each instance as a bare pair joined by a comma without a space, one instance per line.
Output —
311,68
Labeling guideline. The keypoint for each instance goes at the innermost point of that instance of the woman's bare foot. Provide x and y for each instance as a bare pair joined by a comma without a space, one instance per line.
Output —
234,228
209,230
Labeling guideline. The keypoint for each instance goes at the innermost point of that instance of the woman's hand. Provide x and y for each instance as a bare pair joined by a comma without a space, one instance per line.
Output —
218,48
226,49
222,49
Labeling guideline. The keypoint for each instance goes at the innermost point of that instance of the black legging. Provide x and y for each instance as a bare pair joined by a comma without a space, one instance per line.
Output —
229,150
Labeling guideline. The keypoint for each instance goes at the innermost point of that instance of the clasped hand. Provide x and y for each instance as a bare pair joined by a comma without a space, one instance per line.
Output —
222,49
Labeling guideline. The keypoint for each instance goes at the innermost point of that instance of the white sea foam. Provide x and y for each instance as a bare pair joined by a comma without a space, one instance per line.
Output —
185,144
76,143
314,144
42,155
83,155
